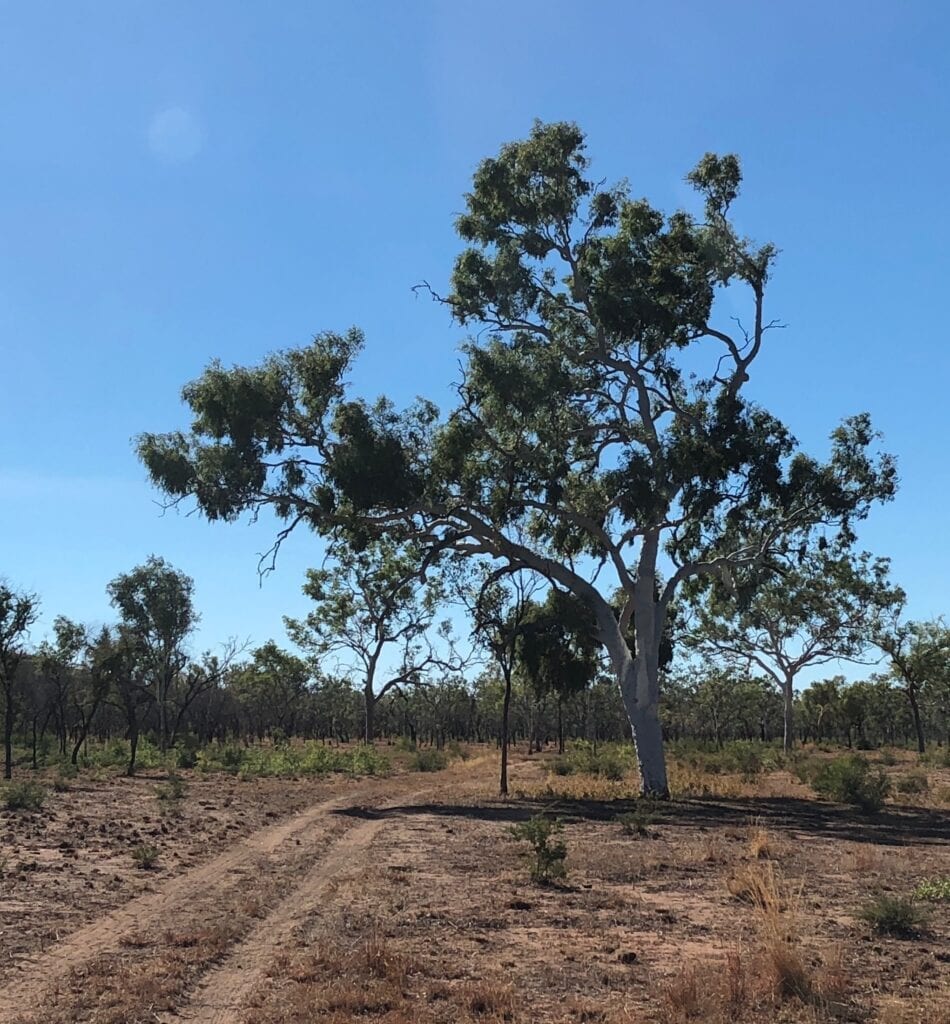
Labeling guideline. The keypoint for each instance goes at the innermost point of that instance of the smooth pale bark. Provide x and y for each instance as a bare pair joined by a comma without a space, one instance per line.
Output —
788,693
639,685
505,710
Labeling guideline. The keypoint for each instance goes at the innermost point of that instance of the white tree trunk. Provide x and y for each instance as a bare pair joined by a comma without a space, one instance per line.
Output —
640,689
788,693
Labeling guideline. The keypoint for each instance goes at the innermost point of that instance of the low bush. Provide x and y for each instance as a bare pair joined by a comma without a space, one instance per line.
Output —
893,915
607,760
851,780
549,855
292,759
748,758
933,890
24,796
173,790
145,856
638,821
429,760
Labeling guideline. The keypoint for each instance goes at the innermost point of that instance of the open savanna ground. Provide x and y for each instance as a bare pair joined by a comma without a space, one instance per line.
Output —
405,898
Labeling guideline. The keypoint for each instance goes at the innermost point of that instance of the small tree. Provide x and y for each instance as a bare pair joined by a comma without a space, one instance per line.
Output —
500,606
155,602
919,655
60,665
273,687
18,611
374,610
812,608
559,649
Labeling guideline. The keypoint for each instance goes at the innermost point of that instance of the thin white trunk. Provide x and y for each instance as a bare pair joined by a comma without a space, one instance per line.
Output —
788,692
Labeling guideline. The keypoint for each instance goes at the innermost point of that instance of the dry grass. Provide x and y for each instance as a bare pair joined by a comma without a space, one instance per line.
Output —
758,885
760,842
369,978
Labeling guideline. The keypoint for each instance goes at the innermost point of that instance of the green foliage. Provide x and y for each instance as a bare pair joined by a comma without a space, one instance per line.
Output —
606,760
601,403
429,760
549,854
939,757
173,790
66,771
933,890
748,758
893,915
558,645
186,757
851,780
292,759
115,754
145,856
638,821
24,796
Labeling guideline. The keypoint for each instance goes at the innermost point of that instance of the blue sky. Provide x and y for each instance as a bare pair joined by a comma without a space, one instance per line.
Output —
189,180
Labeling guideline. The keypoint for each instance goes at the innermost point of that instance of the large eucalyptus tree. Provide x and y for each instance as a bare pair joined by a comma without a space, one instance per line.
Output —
601,435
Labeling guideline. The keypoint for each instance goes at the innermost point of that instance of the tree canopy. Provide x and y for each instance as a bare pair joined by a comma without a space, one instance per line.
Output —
601,431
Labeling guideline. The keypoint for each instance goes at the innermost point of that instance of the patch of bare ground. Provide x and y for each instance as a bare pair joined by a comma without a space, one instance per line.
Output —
726,909
405,899
71,862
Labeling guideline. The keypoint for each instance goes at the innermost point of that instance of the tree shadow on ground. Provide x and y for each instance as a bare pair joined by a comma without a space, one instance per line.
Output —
894,826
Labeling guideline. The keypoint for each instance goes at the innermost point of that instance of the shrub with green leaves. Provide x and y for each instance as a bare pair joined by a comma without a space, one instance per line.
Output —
851,780
145,856
607,760
549,854
893,915
933,890
291,759
430,760
638,821
173,790
24,796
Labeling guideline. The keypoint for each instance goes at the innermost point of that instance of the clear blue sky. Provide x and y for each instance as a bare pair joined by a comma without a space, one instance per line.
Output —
189,180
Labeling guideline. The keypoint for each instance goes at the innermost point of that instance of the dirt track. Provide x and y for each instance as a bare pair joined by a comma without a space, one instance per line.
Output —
404,899
299,860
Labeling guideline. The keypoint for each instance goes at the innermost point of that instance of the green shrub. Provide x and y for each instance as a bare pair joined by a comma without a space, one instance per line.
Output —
747,758
549,856
24,796
933,890
430,760
607,760
851,780
893,915
638,821
186,757
173,790
887,757
145,856
913,783
805,766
